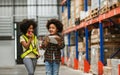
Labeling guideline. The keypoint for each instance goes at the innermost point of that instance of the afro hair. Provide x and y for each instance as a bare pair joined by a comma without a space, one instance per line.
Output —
25,24
57,23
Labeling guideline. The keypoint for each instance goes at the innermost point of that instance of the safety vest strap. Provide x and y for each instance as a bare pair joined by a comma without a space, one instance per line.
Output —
26,39
35,51
25,53
31,49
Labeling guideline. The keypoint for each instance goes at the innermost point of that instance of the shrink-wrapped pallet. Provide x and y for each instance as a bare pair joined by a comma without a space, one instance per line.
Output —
115,63
71,56
81,61
81,47
94,4
94,58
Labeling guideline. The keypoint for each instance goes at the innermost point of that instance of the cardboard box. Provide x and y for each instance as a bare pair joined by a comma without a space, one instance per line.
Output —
107,70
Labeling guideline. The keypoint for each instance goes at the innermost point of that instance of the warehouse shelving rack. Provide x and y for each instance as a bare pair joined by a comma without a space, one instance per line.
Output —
100,18
84,24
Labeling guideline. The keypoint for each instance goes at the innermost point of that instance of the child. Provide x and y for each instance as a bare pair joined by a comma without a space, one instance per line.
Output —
52,44
29,44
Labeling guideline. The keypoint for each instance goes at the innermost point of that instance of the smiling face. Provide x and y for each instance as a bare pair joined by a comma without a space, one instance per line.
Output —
53,29
30,29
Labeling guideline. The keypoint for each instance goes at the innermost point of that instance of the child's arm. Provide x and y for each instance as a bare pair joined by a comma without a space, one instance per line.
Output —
61,44
45,43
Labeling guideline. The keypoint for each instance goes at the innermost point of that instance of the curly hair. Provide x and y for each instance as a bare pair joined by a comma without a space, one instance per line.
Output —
25,24
57,23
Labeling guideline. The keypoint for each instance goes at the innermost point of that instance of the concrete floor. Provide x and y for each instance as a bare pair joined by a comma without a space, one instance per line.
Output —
40,70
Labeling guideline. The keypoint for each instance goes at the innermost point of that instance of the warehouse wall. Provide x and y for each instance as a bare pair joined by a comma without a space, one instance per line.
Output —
7,53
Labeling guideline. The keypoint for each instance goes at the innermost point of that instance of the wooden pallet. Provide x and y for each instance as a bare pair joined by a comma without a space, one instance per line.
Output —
114,5
94,10
82,20
94,13
92,72
88,18
104,9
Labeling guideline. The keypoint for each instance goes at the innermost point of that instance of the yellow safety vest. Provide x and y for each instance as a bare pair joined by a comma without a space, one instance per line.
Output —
31,48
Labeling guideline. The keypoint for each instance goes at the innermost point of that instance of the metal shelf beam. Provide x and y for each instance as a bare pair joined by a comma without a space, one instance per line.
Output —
101,17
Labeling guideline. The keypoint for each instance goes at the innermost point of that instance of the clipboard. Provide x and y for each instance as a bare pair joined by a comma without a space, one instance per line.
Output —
53,40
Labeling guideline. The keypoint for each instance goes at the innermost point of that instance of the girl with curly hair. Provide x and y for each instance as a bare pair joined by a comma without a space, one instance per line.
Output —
52,44
29,44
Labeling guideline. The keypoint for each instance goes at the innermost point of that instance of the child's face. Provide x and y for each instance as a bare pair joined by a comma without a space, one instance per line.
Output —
52,29
30,29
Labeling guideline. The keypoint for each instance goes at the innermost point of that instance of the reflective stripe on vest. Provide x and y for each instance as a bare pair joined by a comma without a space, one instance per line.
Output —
31,48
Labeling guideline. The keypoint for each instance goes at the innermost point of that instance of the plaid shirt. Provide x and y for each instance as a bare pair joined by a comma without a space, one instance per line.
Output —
53,51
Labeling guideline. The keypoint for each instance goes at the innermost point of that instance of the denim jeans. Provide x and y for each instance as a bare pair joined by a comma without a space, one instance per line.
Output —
52,68
30,64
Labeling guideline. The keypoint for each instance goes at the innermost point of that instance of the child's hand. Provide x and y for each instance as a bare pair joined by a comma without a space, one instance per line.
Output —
59,40
46,42
38,56
29,34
